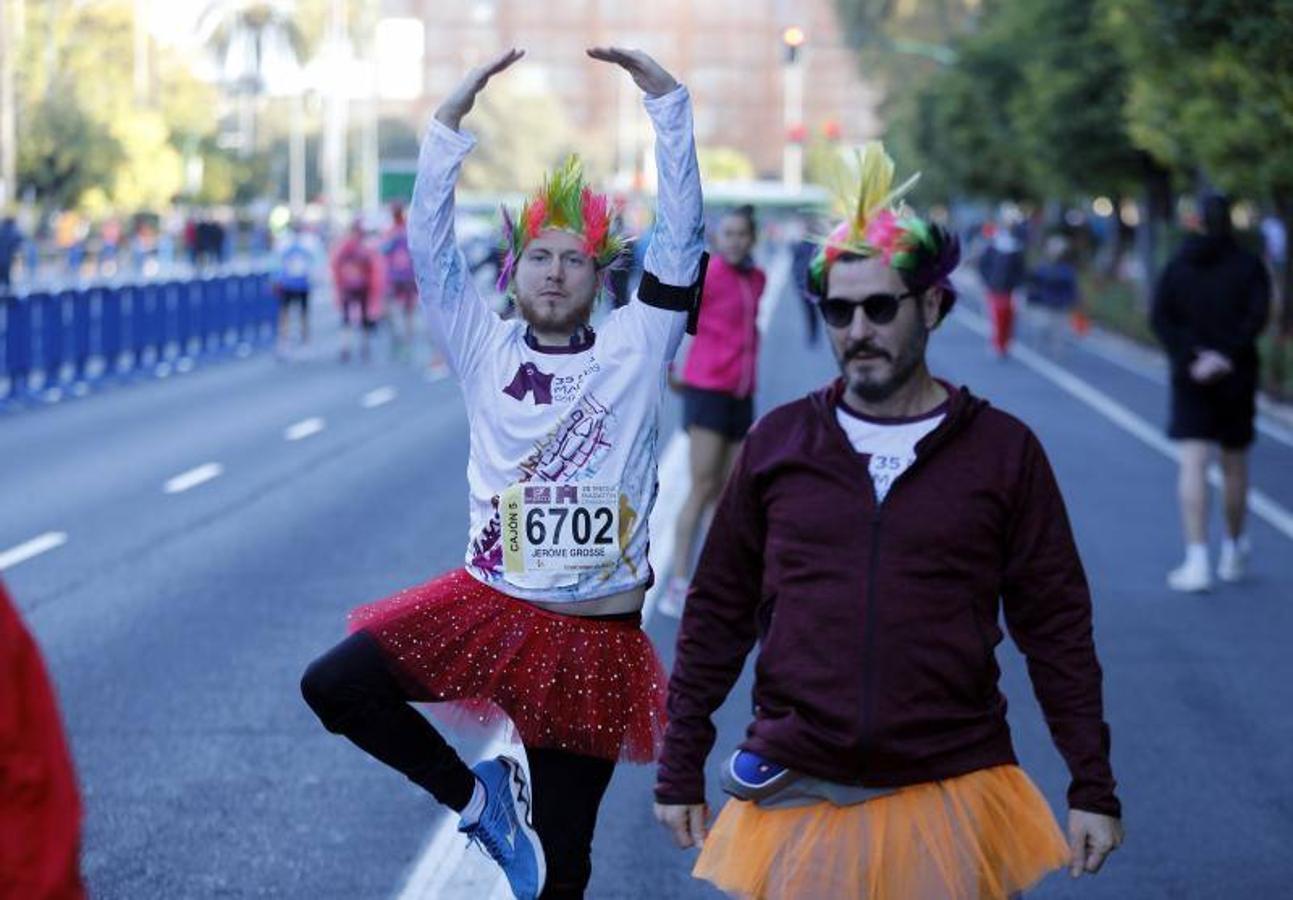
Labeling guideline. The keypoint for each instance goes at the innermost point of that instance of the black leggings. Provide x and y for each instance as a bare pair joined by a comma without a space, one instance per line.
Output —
353,692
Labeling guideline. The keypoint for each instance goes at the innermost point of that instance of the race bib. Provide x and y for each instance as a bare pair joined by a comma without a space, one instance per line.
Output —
560,528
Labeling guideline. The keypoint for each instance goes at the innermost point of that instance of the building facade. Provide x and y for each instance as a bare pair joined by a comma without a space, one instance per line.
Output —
730,53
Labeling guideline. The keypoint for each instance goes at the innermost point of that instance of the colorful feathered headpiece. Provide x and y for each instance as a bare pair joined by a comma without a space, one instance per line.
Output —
880,224
567,203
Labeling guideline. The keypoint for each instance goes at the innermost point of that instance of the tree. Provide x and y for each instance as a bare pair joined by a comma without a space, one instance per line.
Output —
81,126
64,152
522,136
724,164
248,39
1212,90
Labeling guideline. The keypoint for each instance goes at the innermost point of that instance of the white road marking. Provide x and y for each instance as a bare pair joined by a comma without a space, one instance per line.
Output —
304,429
447,855
1259,502
378,397
35,547
193,477
1151,366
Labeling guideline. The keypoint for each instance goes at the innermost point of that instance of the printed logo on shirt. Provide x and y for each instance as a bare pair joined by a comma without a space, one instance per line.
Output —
567,388
529,379
885,469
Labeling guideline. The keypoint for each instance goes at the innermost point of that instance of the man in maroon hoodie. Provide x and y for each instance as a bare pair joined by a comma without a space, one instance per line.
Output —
869,538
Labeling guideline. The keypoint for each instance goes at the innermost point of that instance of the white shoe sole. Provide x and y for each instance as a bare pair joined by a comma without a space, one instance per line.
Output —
519,786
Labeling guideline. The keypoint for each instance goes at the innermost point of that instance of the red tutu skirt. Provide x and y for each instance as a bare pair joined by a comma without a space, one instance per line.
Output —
589,686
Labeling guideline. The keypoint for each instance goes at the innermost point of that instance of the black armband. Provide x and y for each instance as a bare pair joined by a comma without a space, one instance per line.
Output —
676,299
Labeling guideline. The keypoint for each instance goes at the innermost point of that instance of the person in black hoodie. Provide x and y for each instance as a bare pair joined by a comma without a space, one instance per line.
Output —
1210,305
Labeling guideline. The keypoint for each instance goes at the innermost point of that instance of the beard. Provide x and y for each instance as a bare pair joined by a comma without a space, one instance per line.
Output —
566,315
876,387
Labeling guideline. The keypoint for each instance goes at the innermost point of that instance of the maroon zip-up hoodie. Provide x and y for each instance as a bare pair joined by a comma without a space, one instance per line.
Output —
877,625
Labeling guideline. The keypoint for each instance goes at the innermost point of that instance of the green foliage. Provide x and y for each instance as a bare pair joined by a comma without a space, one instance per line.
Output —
1067,98
1032,108
718,164
522,137
958,128
64,152
1212,87
1068,108
84,140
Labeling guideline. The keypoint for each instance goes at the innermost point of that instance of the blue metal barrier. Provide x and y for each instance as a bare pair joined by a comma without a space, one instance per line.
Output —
81,335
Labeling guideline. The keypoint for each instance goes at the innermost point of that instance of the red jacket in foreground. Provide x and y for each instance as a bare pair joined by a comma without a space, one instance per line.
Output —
40,813
877,625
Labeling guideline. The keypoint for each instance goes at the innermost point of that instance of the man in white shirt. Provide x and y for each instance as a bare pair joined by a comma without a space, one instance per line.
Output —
543,622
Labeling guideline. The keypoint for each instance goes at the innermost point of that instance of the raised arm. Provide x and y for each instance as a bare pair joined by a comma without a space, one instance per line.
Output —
678,241
461,322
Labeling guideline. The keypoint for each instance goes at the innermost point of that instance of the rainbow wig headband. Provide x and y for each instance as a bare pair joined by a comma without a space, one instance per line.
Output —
880,224
564,202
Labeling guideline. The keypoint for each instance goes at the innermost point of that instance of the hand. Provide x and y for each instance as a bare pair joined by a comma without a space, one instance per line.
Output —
685,822
1210,366
460,102
647,74
1092,837
676,384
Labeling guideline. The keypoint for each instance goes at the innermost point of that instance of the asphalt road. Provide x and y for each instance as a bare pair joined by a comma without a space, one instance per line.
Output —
176,624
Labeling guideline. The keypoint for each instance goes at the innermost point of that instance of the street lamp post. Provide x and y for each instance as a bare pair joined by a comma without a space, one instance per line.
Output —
335,123
8,129
792,164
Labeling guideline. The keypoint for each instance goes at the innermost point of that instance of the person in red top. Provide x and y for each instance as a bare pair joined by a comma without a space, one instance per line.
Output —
869,539
718,382
359,277
40,811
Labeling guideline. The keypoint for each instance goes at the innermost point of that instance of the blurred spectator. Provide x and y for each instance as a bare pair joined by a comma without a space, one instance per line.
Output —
110,236
295,261
1052,294
1210,307
1002,268
10,242
357,273
1275,240
400,283
805,247
189,237
69,238
40,811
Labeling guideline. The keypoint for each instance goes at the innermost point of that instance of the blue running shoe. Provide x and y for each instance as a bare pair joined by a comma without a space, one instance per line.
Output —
506,829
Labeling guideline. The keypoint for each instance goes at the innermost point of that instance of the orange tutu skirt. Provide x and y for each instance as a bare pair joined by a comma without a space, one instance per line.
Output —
989,834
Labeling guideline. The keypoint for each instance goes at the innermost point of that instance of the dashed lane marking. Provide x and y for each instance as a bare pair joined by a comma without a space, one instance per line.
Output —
304,429
378,397
193,477
32,548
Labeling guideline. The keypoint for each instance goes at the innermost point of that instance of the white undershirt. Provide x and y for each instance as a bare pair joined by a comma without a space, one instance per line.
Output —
890,443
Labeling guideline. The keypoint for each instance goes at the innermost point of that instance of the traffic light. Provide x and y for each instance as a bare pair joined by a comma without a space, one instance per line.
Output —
793,38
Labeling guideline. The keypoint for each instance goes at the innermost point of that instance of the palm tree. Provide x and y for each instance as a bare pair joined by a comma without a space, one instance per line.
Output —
254,43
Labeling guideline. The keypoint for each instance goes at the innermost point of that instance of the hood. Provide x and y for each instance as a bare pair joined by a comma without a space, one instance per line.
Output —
1205,250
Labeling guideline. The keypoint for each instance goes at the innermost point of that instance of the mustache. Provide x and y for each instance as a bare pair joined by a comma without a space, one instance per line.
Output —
862,348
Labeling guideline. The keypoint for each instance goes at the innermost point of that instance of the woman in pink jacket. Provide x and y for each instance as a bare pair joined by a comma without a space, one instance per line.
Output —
718,381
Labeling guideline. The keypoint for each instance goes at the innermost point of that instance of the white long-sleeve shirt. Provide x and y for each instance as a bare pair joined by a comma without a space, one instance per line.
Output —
562,468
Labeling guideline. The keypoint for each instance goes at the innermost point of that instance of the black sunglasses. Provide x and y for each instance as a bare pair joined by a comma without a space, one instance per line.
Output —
879,308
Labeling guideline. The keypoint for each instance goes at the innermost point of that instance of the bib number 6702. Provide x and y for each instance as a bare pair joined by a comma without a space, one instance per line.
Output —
583,522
